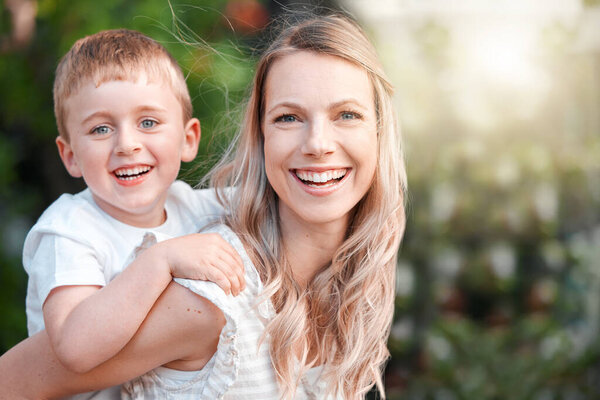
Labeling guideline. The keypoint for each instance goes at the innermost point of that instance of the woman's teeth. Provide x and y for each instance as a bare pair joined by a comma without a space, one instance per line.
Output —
321,179
129,174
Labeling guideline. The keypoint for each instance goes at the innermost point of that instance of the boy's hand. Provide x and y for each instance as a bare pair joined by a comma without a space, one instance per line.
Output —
208,257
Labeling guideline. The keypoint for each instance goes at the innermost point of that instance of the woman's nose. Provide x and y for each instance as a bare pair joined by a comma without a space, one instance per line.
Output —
319,139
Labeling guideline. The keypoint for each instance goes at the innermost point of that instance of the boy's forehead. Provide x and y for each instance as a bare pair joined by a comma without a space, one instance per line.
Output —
140,77
93,83
94,95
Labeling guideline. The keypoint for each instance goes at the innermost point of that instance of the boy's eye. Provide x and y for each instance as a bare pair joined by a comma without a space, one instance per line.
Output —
148,123
101,130
286,118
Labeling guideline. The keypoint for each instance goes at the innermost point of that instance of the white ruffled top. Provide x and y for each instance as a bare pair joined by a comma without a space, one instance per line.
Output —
240,368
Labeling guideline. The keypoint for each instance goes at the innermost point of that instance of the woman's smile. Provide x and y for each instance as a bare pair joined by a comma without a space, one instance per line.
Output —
321,182
320,135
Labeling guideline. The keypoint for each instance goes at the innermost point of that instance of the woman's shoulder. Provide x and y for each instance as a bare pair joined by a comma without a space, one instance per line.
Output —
237,358
214,293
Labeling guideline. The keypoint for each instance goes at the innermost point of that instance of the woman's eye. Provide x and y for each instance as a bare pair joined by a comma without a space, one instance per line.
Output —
286,118
148,123
348,115
101,130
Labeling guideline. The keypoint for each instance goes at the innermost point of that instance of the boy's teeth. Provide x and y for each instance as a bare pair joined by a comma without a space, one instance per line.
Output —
131,173
320,177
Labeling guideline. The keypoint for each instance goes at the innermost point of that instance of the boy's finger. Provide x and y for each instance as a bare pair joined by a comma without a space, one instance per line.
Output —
229,273
229,249
221,280
231,263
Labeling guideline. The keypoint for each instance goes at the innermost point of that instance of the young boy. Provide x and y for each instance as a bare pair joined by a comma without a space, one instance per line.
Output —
125,123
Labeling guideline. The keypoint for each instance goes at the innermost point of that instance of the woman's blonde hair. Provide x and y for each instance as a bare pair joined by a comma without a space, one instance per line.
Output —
345,312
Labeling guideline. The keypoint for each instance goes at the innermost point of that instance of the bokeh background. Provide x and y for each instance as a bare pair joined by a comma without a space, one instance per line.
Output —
499,273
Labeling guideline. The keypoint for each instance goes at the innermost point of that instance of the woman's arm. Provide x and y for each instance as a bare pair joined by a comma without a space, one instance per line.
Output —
182,330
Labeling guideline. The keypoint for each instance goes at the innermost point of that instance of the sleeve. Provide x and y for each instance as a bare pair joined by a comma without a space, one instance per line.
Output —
226,359
52,260
200,205
206,201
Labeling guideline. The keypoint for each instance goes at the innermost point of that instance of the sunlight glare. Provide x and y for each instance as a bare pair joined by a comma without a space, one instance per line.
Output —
502,56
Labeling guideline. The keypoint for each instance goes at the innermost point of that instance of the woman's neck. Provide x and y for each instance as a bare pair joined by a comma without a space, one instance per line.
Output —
309,246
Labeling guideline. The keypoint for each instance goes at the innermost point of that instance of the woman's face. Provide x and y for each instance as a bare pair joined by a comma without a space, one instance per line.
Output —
320,134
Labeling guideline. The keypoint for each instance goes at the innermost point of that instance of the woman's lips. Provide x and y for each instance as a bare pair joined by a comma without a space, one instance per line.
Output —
321,182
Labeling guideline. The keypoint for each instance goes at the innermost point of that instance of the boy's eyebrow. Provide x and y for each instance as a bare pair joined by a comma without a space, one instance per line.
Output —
151,108
96,114
143,108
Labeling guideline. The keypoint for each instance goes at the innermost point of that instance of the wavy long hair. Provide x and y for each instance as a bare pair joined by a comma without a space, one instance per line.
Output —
343,317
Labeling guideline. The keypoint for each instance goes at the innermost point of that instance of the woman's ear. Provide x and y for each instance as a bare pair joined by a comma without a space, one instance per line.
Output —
65,151
191,140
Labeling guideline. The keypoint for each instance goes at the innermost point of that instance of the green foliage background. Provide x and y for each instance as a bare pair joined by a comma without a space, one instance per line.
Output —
498,277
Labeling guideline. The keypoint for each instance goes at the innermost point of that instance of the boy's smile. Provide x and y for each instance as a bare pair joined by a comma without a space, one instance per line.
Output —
127,140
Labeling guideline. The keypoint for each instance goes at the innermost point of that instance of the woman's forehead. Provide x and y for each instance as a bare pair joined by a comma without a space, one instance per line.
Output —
316,77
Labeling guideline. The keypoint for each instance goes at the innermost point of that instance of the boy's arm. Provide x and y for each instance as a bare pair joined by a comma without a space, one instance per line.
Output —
31,370
87,325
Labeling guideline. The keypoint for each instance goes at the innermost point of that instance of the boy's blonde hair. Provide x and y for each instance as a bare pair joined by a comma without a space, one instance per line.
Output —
343,318
116,55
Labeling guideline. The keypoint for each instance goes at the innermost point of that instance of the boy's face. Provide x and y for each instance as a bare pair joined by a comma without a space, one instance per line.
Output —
127,139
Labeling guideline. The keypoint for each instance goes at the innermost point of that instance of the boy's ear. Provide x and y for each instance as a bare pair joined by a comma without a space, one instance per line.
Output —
191,140
68,157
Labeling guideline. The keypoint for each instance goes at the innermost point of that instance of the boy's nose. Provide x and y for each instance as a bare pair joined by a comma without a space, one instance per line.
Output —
319,139
127,142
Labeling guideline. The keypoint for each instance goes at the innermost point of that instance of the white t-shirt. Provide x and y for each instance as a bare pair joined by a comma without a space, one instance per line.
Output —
76,243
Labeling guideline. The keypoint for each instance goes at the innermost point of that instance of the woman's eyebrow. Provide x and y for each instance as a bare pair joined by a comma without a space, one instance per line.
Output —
352,101
284,104
339,103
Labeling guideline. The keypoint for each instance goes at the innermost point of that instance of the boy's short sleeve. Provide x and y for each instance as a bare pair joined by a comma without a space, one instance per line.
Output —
67,246
57,261
60,261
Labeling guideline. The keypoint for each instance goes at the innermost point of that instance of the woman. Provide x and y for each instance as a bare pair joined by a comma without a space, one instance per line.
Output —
318,207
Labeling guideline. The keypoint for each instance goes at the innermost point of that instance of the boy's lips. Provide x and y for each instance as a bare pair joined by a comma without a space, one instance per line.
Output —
131,174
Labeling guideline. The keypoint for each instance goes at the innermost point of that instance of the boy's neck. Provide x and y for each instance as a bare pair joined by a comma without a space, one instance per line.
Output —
152,218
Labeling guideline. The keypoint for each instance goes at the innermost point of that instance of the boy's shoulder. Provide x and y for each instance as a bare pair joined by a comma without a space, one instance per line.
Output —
194,203
70,212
